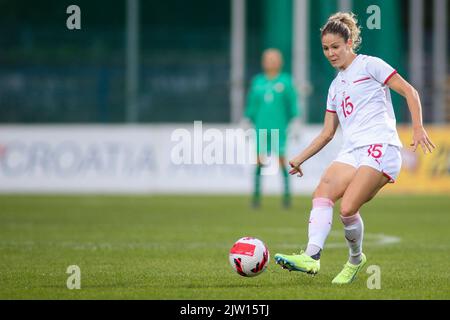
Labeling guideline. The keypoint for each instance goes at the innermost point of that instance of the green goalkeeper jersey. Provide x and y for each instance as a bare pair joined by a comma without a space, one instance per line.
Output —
272,103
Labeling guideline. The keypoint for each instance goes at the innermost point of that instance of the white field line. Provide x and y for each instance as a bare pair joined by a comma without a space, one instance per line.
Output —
336,240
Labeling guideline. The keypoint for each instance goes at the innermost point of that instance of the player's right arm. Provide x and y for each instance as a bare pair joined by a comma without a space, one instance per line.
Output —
252,102
331,123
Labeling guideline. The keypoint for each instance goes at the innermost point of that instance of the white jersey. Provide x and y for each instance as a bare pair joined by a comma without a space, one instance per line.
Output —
362,101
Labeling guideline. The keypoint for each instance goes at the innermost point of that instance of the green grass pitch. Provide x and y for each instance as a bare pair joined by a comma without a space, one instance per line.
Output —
176,247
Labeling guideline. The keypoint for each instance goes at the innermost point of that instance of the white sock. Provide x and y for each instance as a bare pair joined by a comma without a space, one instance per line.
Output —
320,221
354,233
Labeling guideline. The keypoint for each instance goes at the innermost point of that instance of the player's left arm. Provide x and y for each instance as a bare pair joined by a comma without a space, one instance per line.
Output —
420,136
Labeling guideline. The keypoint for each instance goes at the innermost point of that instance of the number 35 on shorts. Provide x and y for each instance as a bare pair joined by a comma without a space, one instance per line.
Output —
376,151
387,158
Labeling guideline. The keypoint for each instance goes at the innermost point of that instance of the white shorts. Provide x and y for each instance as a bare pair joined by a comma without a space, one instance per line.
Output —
385,158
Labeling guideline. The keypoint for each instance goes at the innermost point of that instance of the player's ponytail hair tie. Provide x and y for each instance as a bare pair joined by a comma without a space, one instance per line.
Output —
346,25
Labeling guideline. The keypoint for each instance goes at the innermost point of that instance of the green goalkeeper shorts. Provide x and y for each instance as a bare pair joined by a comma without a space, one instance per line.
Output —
268,144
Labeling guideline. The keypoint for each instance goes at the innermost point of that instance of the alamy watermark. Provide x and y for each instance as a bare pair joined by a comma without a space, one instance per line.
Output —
225,147
74,280
374,21
73,22
374,280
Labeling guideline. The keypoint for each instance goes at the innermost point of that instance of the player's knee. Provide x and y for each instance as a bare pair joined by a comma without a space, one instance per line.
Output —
348,209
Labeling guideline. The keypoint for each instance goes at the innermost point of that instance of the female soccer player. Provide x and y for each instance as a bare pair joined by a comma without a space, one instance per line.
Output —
359,100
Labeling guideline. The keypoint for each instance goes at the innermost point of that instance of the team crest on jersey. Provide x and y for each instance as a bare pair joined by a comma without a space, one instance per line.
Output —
279,87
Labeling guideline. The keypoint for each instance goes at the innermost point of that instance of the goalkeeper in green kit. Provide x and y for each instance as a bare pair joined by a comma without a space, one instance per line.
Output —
271,104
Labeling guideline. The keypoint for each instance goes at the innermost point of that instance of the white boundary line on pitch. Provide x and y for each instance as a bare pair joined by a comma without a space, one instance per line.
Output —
370,239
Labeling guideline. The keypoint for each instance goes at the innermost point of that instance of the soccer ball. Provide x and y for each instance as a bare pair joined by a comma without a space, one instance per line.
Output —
249,257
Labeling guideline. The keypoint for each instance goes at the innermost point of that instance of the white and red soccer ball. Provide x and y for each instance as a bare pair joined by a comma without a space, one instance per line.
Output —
249,257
